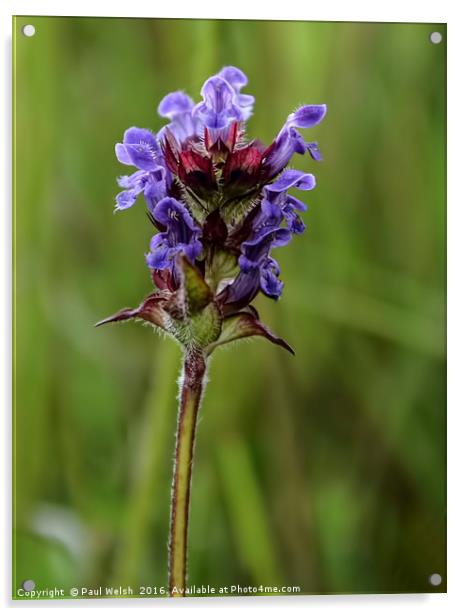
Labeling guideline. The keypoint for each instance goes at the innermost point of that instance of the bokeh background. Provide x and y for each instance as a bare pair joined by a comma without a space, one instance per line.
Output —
325,471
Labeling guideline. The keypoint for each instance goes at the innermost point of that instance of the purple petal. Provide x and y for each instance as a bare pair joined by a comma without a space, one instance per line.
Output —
242,290
297,141
296,203
245,100
175,103
178,107
289,141
218,94
125,199
135,135
142,156
218,107
133,180
276,237
181,235
237,79
314,150
154,192
292,178
122,155
159,256
191,250
270,283
139,148
307,116
255,250
171,212
234,76
134,184
272,213
293,221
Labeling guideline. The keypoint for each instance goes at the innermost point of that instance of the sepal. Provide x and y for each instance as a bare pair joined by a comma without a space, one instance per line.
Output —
196,292
243,325
151,310
188,314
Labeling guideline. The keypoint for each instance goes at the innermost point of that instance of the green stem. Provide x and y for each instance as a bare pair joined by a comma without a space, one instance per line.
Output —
192,382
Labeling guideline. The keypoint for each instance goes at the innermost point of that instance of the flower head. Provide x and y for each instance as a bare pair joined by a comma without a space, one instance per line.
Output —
219,202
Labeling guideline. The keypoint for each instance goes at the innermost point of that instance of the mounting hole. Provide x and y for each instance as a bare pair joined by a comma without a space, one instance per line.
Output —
29,585
435,38
435,579
28,30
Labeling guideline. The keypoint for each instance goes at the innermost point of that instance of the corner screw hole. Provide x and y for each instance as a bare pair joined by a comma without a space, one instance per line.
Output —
435,38
435,579
28,30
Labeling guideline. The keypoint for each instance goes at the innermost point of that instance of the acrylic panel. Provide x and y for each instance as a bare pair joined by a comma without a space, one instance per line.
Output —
297,173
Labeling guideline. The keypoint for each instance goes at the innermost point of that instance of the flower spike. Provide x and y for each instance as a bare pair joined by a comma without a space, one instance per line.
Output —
220,205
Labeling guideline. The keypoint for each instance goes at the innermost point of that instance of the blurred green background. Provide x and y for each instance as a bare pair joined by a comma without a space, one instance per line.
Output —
326,470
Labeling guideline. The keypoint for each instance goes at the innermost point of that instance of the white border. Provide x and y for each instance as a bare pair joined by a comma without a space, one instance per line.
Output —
357,10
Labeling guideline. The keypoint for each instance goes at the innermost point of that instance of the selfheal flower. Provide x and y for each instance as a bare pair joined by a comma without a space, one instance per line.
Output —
237,79
258,271
223,101
152,185
134,185
256,250
178,108
220,204
141,149
278,204
256,262
289,141
223,104
181,235
219,106
270,282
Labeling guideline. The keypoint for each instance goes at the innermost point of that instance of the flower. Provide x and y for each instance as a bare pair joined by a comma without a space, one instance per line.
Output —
277,204
178,108
289,140
141,149
181,235
220,204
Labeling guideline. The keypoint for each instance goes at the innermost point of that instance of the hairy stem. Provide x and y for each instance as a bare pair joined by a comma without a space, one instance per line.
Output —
192,382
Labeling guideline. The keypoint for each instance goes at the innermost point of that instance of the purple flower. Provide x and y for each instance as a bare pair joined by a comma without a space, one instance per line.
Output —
223,103
141,149
178,108
291,178
134,185
181,235
256,250
289,141
219,106
258,271
270,283
237,80
278,204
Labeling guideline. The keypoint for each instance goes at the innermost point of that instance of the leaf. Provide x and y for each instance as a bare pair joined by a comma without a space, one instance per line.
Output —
243,325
